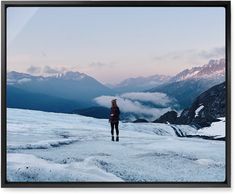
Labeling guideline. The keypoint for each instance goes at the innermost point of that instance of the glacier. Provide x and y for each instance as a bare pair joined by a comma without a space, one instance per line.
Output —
57,147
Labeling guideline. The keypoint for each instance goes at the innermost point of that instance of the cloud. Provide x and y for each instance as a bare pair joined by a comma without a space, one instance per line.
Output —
192,55
98,64
132,103
45,70
44,54
49,70
212,53
34,70
174,55
156,98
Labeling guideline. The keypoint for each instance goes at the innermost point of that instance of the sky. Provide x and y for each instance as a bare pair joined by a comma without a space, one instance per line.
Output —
113,44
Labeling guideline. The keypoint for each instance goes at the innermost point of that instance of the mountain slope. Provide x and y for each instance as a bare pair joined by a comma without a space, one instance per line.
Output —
185,91
208,107
140,83
73,86
18,98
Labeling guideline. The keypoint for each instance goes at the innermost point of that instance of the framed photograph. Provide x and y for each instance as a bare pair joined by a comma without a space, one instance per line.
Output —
116,94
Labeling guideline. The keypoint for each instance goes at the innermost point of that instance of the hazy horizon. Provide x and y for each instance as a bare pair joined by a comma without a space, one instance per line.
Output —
115,43
56,73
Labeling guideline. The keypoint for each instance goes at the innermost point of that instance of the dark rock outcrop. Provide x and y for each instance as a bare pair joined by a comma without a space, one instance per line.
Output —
206,108
169,117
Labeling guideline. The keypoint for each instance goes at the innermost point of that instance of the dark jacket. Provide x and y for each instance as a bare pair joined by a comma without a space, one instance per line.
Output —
114,115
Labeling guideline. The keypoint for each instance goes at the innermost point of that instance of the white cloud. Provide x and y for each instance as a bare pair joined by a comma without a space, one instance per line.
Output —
49,70
193,54
176,61
156,98
218,52
34,69
131,103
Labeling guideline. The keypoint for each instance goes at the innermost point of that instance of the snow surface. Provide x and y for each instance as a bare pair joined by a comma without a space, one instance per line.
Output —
191,74
198,110
44,146
217,129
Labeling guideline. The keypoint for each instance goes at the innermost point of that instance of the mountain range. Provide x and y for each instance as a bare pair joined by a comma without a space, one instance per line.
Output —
184,87
140,83
188,84
74,91
215,69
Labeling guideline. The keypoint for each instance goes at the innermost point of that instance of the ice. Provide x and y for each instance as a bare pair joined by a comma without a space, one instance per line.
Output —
27,167
208,162
44,146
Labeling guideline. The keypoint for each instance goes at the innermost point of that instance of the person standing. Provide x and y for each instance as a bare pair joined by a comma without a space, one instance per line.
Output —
114,119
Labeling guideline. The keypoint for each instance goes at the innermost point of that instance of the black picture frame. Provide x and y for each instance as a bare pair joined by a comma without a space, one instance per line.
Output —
225,4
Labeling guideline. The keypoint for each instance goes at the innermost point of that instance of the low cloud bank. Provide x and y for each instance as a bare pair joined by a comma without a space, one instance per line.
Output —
156,98
133,103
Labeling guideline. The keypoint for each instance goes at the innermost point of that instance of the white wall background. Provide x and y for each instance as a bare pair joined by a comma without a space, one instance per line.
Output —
149,190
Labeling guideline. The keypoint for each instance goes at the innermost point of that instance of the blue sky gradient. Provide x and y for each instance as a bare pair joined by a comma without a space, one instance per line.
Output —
112,44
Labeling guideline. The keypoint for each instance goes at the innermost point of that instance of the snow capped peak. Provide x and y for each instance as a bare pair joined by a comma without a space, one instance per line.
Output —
70,75
215,62
214,69
58,75
17,75
14,77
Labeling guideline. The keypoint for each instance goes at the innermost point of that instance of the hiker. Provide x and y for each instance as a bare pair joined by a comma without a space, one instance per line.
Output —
114,119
